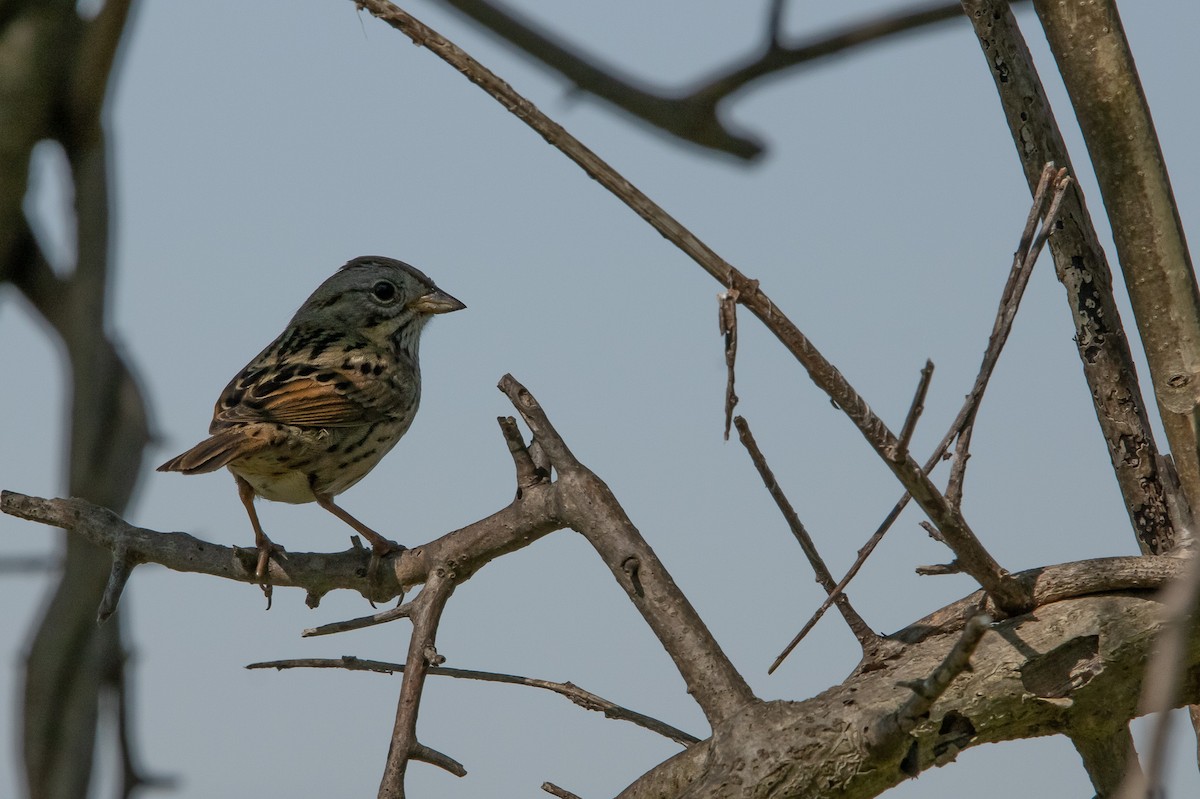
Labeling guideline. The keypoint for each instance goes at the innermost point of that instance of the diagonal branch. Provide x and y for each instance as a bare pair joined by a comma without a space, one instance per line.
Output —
975,559
1010,300
1082,268
1097,68
862,631
422,654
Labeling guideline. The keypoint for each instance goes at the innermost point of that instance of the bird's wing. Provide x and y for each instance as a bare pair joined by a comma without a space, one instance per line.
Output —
351,394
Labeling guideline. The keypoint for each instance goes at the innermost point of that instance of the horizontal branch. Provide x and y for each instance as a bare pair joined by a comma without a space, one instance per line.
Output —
584,699
514,527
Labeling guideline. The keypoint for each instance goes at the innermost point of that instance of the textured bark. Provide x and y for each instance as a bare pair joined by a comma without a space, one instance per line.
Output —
1074,665
1083,270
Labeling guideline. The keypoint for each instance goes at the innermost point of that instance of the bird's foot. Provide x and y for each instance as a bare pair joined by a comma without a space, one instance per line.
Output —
266,548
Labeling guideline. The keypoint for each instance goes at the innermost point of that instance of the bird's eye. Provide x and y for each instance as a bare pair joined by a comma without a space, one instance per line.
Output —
384,291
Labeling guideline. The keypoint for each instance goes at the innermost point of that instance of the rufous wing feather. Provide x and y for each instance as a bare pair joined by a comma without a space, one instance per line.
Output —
331,398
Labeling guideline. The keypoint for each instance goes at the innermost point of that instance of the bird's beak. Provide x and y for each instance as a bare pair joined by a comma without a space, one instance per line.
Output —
436,301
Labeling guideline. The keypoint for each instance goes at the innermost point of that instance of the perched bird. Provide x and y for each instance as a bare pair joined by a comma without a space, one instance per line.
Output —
324,402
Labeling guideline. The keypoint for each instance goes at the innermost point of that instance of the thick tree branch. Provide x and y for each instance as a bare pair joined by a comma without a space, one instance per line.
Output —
1083,270
1093,56
1090,649
1107,754
1088,610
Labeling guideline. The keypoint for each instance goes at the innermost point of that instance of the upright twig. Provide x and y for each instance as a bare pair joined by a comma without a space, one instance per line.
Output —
1052,188
927,691
727,317
862,631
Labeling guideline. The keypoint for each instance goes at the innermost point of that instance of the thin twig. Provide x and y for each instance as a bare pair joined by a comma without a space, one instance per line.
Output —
862,631
392,614
775,15
28,564
900,451
1010,300
561,793
727,317
927,691
584,699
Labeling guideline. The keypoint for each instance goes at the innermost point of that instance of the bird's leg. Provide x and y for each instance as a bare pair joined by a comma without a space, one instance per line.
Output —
264,545
380,546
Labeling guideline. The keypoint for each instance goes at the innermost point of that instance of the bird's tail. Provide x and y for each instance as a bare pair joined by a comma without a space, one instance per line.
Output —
214,452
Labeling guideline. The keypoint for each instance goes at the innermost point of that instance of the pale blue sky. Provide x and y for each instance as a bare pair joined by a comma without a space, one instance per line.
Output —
258,146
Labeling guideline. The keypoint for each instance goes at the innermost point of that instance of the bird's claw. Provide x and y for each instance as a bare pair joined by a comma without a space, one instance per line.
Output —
265,550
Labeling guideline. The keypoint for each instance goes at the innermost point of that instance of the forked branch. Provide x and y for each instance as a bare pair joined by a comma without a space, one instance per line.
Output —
970,552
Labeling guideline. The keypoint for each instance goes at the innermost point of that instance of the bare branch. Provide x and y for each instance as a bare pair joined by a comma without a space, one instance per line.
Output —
693,114
775,15
1107,755
1029,249
1098,70
422,654
900,450
584,699
970,552
28,564
727,313
403,612
1010,300
528,472
862,631
514,527
561,793
927,691
1082,268
590,507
